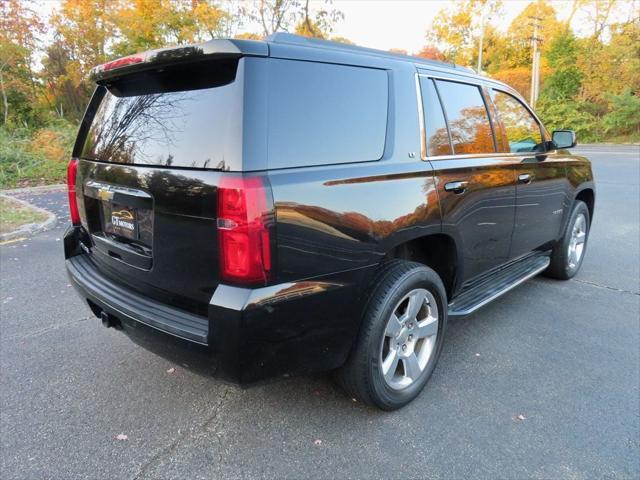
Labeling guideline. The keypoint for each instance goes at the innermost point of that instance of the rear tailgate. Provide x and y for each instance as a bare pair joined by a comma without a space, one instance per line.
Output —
152,151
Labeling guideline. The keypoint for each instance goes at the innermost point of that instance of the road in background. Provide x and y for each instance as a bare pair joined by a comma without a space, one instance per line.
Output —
543,382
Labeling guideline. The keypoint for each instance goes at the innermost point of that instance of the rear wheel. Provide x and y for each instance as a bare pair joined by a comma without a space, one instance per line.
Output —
401,336
568,253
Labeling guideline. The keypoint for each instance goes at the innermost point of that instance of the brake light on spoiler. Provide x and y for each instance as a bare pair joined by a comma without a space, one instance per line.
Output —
122,62
244,240
217,48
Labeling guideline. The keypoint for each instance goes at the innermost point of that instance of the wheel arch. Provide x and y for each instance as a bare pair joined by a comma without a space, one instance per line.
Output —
438,251
587,195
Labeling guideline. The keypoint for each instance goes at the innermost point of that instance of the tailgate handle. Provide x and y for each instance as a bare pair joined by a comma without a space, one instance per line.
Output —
106,192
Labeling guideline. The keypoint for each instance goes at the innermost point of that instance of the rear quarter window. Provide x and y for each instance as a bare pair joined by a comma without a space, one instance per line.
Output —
325,114
467,117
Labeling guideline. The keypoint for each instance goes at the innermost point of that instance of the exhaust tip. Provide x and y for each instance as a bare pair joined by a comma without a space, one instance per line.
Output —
108,321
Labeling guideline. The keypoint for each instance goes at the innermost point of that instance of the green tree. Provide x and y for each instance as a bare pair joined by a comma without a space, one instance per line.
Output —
558,115
624,114
564,83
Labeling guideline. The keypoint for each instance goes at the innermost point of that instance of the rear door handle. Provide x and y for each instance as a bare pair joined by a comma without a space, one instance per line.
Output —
456,187
525,178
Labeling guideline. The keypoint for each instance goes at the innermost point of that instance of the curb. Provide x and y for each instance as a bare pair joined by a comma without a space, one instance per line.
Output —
29,229
626,144
40,189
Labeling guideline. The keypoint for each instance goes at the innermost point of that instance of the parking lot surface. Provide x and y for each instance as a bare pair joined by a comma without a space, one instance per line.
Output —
543,383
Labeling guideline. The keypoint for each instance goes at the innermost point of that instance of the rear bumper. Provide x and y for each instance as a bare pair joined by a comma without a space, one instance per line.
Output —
123,304
178,336
248,334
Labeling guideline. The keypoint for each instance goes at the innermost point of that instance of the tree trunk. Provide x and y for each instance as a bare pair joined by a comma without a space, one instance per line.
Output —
5,102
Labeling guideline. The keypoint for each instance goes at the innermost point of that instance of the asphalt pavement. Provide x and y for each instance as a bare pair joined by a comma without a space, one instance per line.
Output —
542,383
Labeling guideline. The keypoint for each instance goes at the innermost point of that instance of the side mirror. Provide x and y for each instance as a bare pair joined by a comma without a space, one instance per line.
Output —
564,138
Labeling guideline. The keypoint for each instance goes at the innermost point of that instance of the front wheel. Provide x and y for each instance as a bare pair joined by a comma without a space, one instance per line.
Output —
568,253
401,336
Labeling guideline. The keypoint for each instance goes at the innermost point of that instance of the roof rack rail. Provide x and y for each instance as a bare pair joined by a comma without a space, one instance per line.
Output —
292,39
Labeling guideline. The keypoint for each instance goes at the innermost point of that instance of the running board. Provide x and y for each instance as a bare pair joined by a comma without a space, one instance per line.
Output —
482,292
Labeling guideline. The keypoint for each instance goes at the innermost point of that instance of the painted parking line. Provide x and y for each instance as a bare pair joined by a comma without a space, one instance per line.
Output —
6,242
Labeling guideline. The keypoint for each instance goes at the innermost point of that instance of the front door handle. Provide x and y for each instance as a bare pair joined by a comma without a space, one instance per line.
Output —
525,178
456,187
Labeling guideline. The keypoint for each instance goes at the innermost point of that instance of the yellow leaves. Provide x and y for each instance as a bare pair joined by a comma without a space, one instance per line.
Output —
85,27
148,24
309,28
50,144
249,36
208,18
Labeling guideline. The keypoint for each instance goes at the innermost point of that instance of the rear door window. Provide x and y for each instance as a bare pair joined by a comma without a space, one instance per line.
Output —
435,125
467,117
325,114
522,129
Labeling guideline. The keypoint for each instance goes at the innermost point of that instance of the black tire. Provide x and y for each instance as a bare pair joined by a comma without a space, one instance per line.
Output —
362,376
561,266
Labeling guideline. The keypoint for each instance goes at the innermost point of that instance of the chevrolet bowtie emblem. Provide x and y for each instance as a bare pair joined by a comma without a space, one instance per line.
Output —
105,194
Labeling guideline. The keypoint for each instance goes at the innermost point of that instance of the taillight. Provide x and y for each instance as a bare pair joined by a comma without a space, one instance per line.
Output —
72,170
244,206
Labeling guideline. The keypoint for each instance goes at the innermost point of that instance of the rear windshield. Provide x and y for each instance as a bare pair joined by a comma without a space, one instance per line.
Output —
185,117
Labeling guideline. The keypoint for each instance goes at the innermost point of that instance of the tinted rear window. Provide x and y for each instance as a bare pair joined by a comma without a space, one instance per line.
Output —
324,114
467,117
186,117
435,125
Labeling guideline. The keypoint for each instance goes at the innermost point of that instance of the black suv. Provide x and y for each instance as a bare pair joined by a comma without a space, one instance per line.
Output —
258,209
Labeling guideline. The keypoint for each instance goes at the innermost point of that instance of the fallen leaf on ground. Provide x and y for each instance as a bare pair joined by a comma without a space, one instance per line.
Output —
121,436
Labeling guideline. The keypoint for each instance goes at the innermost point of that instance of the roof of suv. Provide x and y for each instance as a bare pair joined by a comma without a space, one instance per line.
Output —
291,39
225,48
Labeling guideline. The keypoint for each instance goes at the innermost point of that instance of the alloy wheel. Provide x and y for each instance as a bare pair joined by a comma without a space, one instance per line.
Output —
577,241
409,339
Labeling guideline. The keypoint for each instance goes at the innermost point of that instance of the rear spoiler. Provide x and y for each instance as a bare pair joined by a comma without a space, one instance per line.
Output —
231,48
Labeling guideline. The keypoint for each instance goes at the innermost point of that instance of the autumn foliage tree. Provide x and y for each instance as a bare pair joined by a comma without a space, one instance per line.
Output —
585,78
43,68
431,52
20,29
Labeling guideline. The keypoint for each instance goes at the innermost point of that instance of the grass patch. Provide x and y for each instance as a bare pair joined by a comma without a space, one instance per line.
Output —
35,157
14,214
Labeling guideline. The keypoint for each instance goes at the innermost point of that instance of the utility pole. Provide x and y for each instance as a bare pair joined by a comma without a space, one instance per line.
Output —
488,8
535,63
480,43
